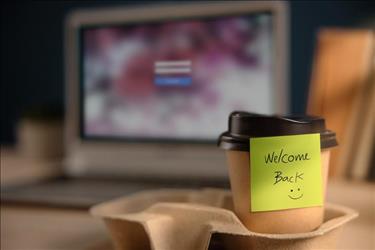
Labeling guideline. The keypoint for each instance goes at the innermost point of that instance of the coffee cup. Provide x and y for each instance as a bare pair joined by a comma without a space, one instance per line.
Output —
242,127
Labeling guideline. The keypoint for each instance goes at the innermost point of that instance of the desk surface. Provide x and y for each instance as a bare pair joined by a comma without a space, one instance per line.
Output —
42,228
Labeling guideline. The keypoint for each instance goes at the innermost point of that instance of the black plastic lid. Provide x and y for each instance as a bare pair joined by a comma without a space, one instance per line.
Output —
243,125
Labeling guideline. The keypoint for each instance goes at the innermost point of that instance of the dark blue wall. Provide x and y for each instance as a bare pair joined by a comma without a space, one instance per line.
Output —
32,50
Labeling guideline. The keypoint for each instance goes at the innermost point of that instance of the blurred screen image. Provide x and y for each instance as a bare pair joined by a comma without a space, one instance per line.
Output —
176,79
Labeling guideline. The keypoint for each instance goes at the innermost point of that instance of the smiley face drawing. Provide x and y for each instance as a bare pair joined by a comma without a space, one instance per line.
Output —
295,194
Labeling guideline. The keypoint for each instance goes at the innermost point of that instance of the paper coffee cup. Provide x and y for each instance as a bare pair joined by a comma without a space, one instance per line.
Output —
283,191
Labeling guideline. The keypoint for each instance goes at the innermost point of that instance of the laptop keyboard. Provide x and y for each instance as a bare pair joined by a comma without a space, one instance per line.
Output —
83,193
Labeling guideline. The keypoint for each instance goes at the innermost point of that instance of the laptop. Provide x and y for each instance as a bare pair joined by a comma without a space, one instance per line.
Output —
149,89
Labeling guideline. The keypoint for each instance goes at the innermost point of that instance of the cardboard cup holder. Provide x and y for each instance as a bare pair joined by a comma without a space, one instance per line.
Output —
170,219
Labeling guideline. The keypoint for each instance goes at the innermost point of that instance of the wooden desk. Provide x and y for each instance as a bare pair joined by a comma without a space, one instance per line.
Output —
43,228
360,233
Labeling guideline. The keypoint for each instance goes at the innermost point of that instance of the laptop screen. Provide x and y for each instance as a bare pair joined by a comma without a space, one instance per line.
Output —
175,79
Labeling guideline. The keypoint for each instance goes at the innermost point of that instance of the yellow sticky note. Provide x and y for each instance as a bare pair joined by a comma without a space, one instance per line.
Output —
285,172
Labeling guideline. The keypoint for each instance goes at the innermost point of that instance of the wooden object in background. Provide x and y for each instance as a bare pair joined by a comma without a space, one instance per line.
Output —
16,169
363,141
342,68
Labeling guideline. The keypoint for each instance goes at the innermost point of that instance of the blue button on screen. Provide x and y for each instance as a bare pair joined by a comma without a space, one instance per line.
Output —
172,81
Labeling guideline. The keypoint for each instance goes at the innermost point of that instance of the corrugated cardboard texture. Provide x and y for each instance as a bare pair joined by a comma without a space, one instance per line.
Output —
187,219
